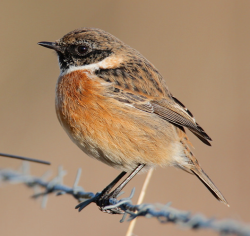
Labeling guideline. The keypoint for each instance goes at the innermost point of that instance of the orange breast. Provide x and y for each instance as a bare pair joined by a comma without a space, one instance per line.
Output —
104,128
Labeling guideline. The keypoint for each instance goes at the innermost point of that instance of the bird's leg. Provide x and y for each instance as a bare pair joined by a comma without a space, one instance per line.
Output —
100,198
106,190
104,198
115,193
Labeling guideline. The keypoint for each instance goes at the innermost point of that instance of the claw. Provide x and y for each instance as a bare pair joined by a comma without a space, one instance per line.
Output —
104,201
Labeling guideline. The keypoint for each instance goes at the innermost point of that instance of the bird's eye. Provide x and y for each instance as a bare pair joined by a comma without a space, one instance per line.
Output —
81,50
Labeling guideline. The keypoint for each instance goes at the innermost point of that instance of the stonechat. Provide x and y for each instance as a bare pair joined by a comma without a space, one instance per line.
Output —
115,106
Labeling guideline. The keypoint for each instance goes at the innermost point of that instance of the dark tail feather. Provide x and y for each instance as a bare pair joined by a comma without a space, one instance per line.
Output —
209,184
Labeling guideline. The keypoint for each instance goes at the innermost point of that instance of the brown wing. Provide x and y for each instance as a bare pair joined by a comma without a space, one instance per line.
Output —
168,108
173,112
142,86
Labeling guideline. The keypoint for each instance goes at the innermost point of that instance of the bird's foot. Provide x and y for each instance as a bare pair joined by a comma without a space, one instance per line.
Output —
104,200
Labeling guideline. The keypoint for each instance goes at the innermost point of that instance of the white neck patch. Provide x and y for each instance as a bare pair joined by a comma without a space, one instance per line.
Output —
107,63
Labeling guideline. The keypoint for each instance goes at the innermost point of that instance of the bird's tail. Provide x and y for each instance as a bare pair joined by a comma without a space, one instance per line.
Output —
209,184
192,166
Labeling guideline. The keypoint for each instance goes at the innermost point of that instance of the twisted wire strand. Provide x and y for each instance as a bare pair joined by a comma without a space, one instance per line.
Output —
163,213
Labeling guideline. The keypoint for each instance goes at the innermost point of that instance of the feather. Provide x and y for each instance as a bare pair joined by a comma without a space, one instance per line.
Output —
209,184
166,108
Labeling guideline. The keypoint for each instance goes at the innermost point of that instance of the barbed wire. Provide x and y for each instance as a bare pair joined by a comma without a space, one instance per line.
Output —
163,213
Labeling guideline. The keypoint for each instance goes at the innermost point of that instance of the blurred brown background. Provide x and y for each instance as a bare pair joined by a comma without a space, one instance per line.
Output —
201,48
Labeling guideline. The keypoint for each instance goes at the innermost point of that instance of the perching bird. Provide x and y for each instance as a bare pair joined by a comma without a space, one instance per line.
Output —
115,106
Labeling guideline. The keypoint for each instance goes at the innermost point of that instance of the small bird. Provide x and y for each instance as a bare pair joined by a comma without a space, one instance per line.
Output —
115,106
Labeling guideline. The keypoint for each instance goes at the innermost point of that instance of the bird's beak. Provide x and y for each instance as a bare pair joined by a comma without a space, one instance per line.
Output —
50,45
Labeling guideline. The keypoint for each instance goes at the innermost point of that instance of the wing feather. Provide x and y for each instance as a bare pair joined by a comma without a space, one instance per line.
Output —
168,108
